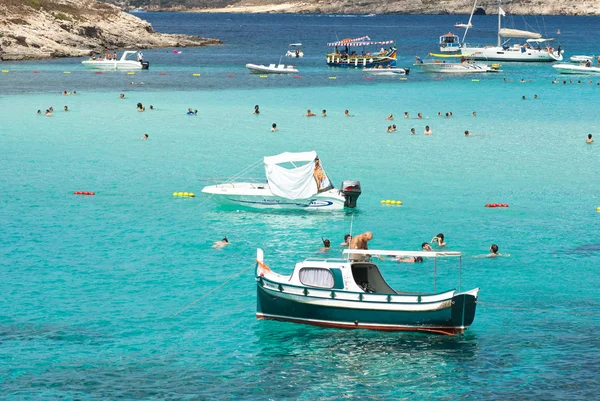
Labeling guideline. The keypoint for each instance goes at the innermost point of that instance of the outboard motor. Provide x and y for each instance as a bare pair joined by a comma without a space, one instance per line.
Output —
145,65
351,191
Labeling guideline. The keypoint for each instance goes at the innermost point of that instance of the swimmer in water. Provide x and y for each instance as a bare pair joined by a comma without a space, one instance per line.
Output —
440,114
221,244
66,108
195,112
474,114
389,129
48,113
523,98
410,259
190,112
439,239
324,113
589,139
74,92
347,239
393,127
151,107
326,245
347,113
256,110
419,116
65,93
494,251
390,117
309,114
273,127
39,112
535,96
426,247
122,96
143,138
406,114
427,130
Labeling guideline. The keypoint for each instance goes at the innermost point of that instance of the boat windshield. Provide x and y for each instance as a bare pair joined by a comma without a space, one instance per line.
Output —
368,277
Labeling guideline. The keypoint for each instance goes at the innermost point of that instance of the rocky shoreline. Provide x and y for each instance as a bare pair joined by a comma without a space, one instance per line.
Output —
34,30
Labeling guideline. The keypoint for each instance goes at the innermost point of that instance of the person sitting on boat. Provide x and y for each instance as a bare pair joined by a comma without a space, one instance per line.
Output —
588,63
382,51
114,55
439,239
309,114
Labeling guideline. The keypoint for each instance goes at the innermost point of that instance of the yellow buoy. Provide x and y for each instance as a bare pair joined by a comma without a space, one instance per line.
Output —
398,202
191,195
388,202
174,193
598,208
130,73
196,75
403,79
332,77
185,194
474,80
4,70
179,193
383,201
67,72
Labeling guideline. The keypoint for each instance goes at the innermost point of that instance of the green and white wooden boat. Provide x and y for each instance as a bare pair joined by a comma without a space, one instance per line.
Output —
351,293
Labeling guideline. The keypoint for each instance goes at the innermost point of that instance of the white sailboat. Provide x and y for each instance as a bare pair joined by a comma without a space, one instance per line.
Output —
535,47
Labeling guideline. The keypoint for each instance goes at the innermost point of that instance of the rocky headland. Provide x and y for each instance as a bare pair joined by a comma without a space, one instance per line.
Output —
518,7
40,29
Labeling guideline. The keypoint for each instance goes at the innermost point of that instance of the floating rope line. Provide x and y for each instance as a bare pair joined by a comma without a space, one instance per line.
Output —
211,291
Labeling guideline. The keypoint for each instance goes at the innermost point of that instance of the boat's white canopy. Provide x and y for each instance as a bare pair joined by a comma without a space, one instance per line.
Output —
423,254
517,33
540,40
295,44
291,157
299,182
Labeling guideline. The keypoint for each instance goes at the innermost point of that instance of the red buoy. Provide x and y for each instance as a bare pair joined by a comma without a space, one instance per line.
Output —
98,72
297,76
163,73
488,205
92,193
368,79
230,75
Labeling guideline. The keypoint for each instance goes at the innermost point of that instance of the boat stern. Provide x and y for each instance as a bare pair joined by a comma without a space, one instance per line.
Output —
464,306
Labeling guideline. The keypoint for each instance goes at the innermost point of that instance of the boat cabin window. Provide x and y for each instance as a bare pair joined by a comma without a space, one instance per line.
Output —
316,277
368,277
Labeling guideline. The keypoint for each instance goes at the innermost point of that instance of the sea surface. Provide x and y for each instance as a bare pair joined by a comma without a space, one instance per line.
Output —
120,295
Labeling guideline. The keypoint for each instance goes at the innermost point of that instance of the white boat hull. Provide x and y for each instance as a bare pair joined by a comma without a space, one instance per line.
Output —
576,69
113,65
456,68
581,59
514,53
390,72
259,196
271,69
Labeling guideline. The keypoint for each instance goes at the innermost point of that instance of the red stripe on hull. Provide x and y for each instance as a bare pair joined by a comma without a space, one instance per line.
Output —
436,330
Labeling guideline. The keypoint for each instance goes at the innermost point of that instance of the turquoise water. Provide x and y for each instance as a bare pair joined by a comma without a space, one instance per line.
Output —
90,285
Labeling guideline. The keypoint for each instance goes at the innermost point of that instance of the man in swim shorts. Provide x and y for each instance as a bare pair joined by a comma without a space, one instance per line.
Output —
360,241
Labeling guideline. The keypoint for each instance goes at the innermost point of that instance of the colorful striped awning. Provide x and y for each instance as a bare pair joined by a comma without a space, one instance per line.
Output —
350,44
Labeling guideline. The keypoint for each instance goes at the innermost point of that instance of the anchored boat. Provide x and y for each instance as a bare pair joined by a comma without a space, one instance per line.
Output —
388,71
351,293
584,68
295,50
303,185
438,64
126,62
348,57
272,69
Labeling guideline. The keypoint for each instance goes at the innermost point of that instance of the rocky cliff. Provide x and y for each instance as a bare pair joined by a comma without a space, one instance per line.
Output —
37,29
524,7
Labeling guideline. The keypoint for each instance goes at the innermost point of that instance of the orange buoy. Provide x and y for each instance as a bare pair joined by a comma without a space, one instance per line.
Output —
98,72
297,76
163,73
230,75
368,79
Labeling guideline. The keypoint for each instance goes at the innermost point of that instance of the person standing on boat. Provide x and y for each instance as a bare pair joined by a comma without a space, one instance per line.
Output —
360,241
115,55
140,57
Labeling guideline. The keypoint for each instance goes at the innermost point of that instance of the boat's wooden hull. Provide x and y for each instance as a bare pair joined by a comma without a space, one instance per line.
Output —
445,316
336,60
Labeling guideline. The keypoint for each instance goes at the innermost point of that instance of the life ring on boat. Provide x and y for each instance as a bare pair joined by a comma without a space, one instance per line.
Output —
262,266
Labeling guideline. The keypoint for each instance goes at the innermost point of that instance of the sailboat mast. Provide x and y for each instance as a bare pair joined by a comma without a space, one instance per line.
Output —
499,21
469,23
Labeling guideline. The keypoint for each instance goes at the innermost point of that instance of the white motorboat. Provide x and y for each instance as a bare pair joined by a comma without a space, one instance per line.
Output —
295,50
536,48
389,72
302,186
461,25
581,59
126,62
138,10
585,68
438,64
272,69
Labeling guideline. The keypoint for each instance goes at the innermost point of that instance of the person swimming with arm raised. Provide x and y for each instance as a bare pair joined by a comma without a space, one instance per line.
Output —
439,239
